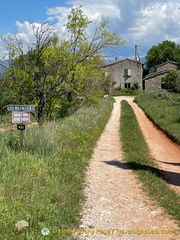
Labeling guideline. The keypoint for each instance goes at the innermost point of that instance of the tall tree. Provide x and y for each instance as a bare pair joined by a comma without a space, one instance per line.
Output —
53,69
167,50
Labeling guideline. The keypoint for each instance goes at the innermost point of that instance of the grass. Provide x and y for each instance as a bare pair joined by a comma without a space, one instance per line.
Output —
136,154
43,184
125,93
165,113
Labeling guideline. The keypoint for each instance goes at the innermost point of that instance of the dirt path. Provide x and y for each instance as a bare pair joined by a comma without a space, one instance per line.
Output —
165,153
115,201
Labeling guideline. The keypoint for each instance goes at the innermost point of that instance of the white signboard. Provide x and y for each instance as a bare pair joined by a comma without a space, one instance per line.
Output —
20,117
21,108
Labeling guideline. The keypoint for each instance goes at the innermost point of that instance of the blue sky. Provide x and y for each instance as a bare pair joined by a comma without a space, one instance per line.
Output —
19,10
139,22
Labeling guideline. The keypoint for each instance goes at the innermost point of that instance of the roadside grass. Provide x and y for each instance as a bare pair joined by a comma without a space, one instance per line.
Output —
43,184
125,93
136,154
165,113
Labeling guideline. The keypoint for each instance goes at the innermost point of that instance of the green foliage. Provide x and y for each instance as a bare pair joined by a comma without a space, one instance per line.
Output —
167,50
136,154
125,92
135,86
163,109
117,88
177,82
58,71
161,94
43,185
12,140
157,94
172,81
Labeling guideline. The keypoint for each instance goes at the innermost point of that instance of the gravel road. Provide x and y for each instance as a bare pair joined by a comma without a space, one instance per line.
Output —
116,207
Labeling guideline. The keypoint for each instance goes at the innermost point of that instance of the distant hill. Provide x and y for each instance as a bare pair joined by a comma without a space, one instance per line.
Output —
4,63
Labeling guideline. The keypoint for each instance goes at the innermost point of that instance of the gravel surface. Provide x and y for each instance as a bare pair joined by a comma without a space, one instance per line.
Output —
116,207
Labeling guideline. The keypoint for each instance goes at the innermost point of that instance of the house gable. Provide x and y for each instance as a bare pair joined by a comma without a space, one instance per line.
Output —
125,73
169,65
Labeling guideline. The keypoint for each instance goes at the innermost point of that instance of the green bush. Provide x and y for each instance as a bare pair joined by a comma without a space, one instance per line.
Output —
161,94
135,86
117,88
158,94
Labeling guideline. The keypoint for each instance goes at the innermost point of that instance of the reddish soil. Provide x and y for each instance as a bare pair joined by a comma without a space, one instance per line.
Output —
116,203
165,152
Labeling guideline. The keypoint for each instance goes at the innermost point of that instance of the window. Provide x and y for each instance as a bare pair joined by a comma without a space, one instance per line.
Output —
127,72
127,85
122,85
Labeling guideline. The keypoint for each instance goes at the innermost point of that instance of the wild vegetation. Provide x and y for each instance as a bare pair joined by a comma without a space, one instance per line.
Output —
57,73
136,154
164,51
172,81
132,91
164,109
43,184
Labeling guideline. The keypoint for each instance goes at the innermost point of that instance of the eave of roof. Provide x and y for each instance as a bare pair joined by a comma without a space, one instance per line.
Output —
132,60
167,63
152,75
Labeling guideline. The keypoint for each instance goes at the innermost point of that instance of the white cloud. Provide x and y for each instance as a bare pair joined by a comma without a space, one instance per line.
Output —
137,21
24,34
94,10
156,22
3,51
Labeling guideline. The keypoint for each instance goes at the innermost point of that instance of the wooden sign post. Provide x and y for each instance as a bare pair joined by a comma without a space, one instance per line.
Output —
20,115
21,127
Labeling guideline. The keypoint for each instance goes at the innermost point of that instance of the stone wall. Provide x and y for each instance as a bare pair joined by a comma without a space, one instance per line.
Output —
154,81
167,66
116,72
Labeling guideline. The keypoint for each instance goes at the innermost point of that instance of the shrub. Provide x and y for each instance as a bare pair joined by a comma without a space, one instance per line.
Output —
162,94
117,88
135,86
172,81
158,94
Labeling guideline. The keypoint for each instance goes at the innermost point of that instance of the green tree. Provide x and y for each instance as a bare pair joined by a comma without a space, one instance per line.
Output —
167,50
56,71
172,81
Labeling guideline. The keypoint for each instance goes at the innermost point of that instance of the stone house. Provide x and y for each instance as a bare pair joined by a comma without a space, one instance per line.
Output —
125,73
153,81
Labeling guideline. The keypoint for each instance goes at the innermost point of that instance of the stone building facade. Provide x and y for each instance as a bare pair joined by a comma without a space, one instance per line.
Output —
125,73
153,81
